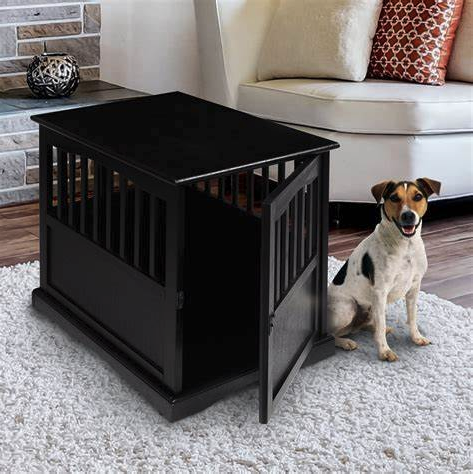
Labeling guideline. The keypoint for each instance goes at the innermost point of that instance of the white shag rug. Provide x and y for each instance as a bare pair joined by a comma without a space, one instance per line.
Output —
63,409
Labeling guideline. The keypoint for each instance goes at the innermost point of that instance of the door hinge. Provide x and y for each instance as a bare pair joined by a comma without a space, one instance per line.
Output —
180,300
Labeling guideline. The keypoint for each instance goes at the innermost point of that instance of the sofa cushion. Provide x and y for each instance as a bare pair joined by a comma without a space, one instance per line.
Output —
317,38
460,67
414,40
372,106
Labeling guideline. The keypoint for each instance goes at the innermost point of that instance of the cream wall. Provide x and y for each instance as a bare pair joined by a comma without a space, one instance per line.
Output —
150,45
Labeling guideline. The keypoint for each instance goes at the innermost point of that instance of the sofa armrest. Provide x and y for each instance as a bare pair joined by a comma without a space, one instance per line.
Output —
230,35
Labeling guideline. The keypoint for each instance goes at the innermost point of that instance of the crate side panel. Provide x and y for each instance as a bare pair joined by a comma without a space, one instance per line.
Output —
114,294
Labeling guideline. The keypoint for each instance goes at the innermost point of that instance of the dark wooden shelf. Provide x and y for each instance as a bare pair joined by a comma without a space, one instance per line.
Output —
88,93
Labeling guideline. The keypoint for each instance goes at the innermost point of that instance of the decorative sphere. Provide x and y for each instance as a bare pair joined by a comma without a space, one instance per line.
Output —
53,75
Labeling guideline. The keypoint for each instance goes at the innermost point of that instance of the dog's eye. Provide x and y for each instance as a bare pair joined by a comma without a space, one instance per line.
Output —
394,198
418,197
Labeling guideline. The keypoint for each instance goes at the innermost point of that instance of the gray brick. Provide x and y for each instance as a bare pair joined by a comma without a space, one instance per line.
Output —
12,169
22,194
19,141
92,18
50,29
27,15
13,123
7,41
32,158
30,48
11,66
90,74
86,49
32,175
12,82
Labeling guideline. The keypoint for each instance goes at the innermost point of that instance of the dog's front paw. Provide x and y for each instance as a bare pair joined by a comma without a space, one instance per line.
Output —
421,341
388,355
346,344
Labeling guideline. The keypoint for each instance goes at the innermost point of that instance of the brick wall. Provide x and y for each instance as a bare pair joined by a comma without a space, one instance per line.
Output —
71,26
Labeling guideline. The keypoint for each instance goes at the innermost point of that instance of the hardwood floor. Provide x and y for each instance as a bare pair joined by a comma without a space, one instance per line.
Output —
19,234
448,242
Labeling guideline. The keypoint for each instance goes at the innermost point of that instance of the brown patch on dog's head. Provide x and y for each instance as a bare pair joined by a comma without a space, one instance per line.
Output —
405,202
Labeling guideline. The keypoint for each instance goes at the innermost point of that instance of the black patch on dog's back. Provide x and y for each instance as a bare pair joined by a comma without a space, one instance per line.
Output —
367,267
340,276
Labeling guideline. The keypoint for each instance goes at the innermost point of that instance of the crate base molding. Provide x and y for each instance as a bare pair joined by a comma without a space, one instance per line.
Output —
172,406
168,247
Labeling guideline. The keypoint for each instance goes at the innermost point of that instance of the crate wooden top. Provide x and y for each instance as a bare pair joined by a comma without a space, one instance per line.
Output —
180,138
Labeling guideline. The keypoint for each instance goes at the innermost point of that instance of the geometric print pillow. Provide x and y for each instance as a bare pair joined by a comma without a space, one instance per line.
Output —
414,39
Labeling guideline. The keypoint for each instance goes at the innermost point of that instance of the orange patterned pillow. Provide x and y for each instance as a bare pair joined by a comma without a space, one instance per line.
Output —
414,40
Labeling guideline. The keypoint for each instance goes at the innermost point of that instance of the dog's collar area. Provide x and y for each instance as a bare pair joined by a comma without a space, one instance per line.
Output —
401,228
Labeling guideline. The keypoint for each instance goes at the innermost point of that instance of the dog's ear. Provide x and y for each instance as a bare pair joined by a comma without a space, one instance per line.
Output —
379,190
429,186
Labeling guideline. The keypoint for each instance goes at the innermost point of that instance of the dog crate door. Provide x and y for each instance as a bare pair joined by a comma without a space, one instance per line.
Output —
288,281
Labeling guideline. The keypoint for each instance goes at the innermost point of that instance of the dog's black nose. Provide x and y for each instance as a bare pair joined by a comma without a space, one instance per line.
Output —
408,218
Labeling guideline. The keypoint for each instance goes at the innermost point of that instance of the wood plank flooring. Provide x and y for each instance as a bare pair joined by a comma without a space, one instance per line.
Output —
448,242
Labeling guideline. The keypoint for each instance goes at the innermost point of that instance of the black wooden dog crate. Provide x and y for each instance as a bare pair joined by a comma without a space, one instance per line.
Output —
170,246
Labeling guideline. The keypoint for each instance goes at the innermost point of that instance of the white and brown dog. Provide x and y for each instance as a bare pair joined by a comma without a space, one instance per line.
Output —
386,266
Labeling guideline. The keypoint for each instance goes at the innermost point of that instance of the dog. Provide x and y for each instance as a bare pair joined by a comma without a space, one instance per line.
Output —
386,266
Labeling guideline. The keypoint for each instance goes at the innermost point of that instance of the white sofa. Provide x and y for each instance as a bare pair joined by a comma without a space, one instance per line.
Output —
385,128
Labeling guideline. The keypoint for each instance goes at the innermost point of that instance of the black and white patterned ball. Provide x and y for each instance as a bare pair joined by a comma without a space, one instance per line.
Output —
53,75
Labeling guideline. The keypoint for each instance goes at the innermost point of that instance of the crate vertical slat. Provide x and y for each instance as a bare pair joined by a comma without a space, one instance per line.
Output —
138,215
300,229
62,185
284,252
84,191
152,236
48,179
161,242
72,188
96,202
308,221
108,208
235,189
250,191
221,188
265,181
296,240
292,268
281,172
123,186
315,212
277,261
